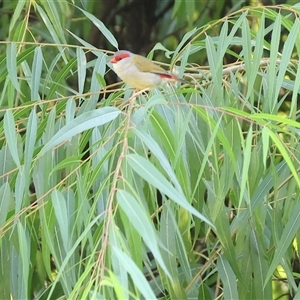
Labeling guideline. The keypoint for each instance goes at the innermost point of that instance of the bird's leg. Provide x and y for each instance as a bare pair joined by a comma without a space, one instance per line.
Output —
133,97
137,93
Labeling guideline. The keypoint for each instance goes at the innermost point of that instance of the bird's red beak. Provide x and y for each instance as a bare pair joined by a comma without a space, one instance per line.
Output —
113,60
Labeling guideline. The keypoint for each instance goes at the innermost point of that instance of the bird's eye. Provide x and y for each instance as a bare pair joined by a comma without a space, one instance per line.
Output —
121,56
118,57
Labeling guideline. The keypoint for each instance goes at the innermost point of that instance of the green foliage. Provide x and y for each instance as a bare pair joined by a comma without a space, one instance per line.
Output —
183,192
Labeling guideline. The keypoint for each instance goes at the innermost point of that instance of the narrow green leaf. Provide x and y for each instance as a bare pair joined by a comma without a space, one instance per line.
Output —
156,150
220,134
223,232
11,64
215,68
60,209
81,66
37,66
6,291
285,155
100,67
285,242
71,161
116,239
24,247
294,103
252,69
142,224
16,15
245,169
226,39
51,9
119,287
262,117
19,31
170,236
183,41
298,293
164,133
59,80
81,237
100,78
11,137
101,27
260,267
137,276
20,189
147,171
85,121
204,292
190,11
265,144
92,48
269,102
17,284
288,48
177,5
5,199
30,140
246,42
259,196
70,110
57,39
228,278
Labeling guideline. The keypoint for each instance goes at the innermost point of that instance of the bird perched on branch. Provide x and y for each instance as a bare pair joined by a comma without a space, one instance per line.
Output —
139,71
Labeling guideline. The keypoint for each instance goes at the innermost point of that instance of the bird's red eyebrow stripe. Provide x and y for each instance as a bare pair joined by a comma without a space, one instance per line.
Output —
123,55
119,57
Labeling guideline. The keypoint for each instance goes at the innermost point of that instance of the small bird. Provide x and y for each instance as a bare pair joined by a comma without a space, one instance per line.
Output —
139,71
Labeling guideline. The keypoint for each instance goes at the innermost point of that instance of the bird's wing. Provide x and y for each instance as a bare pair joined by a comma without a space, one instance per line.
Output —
146,65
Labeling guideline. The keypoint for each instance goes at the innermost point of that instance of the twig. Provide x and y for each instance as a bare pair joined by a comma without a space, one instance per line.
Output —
231,69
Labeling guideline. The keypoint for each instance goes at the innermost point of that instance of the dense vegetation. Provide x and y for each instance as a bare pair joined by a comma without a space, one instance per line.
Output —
188,191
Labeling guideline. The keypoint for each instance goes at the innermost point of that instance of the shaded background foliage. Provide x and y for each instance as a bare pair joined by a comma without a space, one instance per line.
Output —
139,25
90,225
